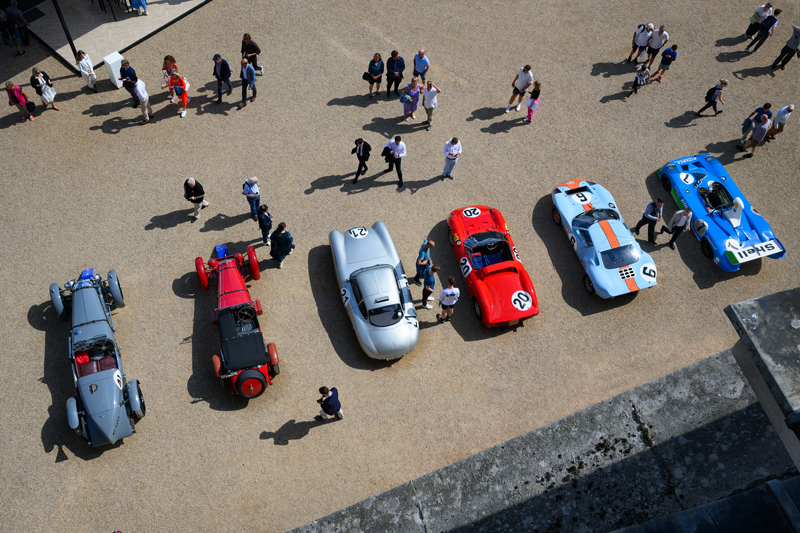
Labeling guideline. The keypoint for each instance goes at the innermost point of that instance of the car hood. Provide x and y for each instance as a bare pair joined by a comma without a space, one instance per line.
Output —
393,341
502,285
104,405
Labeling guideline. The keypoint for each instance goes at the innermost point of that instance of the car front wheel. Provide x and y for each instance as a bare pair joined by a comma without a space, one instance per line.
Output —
142,410
556,217
666,183
587,284
478,310
706,248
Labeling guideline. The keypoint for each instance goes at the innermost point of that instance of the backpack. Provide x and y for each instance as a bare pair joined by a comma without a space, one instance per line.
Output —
768,22
710,93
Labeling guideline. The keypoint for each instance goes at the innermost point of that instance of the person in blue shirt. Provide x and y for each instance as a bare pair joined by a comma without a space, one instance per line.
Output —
330,404
423,259
128,77
667,57
747,125
421,64
248,77
394,73
430,284
223,74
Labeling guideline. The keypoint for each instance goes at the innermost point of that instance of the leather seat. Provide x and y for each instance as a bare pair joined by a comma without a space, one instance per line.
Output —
107,363
88,368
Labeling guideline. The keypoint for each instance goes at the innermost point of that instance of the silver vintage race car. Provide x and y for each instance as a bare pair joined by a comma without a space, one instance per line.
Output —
374,291
106,404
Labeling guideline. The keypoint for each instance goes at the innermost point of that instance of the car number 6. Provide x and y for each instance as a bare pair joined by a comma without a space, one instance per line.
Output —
648,270
521,300
466,268
358,233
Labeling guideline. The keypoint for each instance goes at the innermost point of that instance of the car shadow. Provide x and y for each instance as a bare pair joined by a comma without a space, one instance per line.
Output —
486,113
568,265
57,376
293,430
682,121
332,314
389,127
203,385
730,41
753,72
731,57
221,222
170,220
609,68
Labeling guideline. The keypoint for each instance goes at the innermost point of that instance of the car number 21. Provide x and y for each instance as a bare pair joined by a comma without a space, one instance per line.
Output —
466,268
521,300
345,297
358,233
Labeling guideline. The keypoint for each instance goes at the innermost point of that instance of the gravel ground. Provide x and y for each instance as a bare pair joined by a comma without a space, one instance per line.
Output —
87,186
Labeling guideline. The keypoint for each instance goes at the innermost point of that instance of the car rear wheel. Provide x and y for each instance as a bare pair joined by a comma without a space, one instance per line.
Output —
587,284
115,288
450,236
252,260
556,217
142,410
251,383
706,248
666,183
57,301
202,277
478,311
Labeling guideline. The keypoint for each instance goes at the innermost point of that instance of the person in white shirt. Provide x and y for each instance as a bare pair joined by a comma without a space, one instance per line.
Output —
520,85
144,101
452,149
447,300
679,222
659,39
394,151
641,38
760,13
780,119
87,70
642,78
429,101
765,29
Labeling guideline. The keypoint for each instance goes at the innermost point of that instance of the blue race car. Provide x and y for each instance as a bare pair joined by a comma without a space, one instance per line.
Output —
613,261
730,230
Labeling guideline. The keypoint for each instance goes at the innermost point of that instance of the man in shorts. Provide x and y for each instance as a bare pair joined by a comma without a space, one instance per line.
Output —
641,37
780,120
520,86
659,39
8,32
447,300
667,57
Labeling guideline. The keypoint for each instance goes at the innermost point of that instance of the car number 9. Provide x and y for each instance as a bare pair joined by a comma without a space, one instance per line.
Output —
521,300
471,212
582,197
358,233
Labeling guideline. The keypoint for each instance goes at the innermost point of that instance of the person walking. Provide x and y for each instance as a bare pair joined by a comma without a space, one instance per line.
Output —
748,124
395,66
642,78
533,101
677,224
522,81
281,244
413,91
222,73
128,77
167,67
87,69
652,214
177,83
789,49
780,121
639,42
194,194
713,96
766,29
394,151
20,23
250,51
144,100
361,150
429,103
421,64
248,77
375,74
430,284
17,96
452,149
760,13
330,404
264,222
667,57
251,192
760,130
657,40
447,300
43,86
423,259
9,34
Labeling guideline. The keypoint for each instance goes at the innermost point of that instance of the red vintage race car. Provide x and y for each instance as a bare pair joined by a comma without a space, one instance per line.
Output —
244,358
501,289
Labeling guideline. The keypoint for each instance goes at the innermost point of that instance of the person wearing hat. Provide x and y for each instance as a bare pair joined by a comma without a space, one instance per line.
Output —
361,150
223,74
641,38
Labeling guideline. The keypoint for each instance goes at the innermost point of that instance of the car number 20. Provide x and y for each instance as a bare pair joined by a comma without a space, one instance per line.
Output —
515,253
471,212
358,233
521,300
466,268
648,271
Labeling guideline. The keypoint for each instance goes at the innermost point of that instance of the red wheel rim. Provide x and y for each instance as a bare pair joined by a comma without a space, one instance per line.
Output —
251,388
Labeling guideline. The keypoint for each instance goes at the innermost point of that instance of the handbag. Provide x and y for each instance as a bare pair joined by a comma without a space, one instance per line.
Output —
753,19
366,77
31,107
405,98
164,80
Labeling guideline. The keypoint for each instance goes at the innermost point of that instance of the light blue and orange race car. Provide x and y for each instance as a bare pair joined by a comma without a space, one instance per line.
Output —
730,230
613,261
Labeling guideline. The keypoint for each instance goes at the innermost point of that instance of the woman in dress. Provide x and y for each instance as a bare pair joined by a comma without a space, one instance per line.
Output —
533,101
281,244
413,91
178,85
167,68
375,71
44,87
87,70
17,96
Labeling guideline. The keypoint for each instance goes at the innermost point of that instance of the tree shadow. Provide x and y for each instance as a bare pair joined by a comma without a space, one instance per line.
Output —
568,265
357,100
731,41
389,127
169,220
753,72
486,113
608,69
731,57
332,313
115,125
682,121
292,430
56,433
221,222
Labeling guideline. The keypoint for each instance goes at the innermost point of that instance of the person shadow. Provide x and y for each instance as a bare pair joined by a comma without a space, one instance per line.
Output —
731,57
724,151
753,72
486,113
221,222
730,41
293,430
357,100
608,68
506,125
329,182
682,121
169,220
115,125
389,127
622,95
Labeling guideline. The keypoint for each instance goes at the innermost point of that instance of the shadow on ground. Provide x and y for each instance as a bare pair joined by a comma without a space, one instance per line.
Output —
357,100
170,220
730,41
622,95
725,151
221,222
731,57
753,72
682,121
608,69
486,113
389,127
374,179
293,430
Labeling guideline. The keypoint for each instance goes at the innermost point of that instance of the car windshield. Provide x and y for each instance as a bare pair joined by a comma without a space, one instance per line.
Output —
480,239
386,316
584,220
619,257
717,198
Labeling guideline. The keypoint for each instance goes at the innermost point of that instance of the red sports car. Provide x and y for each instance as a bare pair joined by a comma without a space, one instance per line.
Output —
501,289
244,358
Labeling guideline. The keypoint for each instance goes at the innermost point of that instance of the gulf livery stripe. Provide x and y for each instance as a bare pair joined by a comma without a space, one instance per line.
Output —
574,185
612,240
